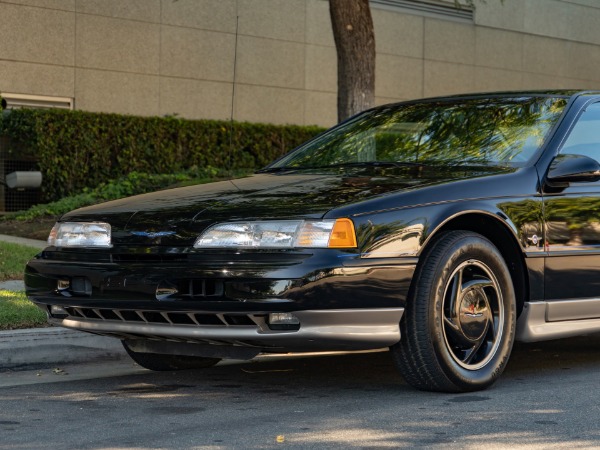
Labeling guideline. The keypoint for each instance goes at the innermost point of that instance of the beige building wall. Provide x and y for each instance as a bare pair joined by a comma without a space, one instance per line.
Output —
159,57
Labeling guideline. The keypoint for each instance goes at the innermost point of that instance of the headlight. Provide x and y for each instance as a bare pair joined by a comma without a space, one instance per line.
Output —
80,234
335,233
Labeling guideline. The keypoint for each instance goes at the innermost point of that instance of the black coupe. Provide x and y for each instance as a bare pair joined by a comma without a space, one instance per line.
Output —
443,229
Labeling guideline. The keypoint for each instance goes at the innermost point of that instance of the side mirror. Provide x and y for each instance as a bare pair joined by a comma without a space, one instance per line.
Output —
566,169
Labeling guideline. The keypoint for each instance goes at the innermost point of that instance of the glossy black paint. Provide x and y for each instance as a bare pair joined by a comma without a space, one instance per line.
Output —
303,194
396,211
250,282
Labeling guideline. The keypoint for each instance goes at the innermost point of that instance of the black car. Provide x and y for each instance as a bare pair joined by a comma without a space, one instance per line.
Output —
442,228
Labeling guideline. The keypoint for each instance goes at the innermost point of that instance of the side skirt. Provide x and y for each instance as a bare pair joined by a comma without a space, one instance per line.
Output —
542,321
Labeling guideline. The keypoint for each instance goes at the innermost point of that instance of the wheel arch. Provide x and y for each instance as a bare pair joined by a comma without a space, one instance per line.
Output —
502,234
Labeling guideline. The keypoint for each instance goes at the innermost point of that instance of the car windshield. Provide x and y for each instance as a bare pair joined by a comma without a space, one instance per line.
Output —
496,130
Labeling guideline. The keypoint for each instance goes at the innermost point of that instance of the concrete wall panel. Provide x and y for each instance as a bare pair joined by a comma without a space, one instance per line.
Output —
497,48
398,77
505,14
398,34
545,55
548,18
177,57
449,41
196,54
269,62
36,79
389,100
141,10
61,5
195,98
268,104
320,109
561,19
123,93
38,35
490,80
117,44
582,62
441,78
318,23
216,15
541,81
590,3
275,19
321,68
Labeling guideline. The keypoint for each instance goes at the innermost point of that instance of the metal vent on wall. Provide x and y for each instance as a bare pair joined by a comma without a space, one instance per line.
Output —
16,101
450,10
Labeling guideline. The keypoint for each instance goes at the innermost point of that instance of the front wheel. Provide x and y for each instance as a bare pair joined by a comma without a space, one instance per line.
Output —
162,362
459,324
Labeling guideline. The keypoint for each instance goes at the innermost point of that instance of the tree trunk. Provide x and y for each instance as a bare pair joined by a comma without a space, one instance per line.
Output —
355,43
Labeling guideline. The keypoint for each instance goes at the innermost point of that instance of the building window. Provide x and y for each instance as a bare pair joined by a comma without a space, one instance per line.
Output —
461,10
16,101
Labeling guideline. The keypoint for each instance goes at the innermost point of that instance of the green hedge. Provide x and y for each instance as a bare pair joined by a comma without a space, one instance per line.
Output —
77,149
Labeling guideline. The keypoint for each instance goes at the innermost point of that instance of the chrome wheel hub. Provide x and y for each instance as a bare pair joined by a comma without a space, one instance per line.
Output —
473,315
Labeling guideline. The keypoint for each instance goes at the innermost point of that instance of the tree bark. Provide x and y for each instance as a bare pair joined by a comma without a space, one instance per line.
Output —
355,43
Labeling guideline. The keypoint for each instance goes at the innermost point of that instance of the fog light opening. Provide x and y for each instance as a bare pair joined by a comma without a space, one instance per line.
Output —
58,312
166,291
63,287
283,321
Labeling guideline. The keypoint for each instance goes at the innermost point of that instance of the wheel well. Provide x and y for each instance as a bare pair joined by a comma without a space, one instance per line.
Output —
504,241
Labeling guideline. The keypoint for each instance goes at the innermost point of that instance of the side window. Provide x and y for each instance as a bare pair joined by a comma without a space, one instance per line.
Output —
584,138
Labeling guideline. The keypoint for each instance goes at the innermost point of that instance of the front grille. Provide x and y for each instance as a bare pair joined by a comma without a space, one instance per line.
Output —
200,288
148,258
173,255
161,317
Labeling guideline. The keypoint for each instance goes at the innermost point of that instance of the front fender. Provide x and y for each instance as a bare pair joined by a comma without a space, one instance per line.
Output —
405,232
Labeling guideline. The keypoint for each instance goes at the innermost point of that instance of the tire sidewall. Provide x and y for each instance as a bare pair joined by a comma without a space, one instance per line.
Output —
472,247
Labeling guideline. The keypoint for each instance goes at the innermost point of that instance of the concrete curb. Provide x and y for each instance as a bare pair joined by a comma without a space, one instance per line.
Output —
36,348
12,285
48,347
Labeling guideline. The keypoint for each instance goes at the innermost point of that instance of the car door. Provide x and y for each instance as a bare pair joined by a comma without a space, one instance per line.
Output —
572,225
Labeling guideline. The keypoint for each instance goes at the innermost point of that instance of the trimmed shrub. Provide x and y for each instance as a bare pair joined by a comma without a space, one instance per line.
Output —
77,149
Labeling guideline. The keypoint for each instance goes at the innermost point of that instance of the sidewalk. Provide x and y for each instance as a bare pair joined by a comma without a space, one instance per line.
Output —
23,241
50,347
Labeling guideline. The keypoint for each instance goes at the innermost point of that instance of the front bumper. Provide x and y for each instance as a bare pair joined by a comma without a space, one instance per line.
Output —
319,330
342,303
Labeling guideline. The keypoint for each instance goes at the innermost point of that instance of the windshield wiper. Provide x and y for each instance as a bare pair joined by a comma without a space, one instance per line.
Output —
347,164
281,169
376,164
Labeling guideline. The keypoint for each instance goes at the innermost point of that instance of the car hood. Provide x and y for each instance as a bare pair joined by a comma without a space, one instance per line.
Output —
177,216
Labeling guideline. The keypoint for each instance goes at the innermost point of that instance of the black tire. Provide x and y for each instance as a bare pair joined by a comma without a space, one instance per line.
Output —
457,340
160,362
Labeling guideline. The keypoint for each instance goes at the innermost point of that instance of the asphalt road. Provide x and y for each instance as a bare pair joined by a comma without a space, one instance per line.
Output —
548,398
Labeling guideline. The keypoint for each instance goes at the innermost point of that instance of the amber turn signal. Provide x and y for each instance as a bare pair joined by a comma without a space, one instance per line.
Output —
342,235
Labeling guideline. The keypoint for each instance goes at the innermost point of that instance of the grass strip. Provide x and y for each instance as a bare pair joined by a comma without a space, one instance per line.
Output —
13,258
16,311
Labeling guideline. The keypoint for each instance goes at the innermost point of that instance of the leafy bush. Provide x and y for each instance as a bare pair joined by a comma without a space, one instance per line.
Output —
77,149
